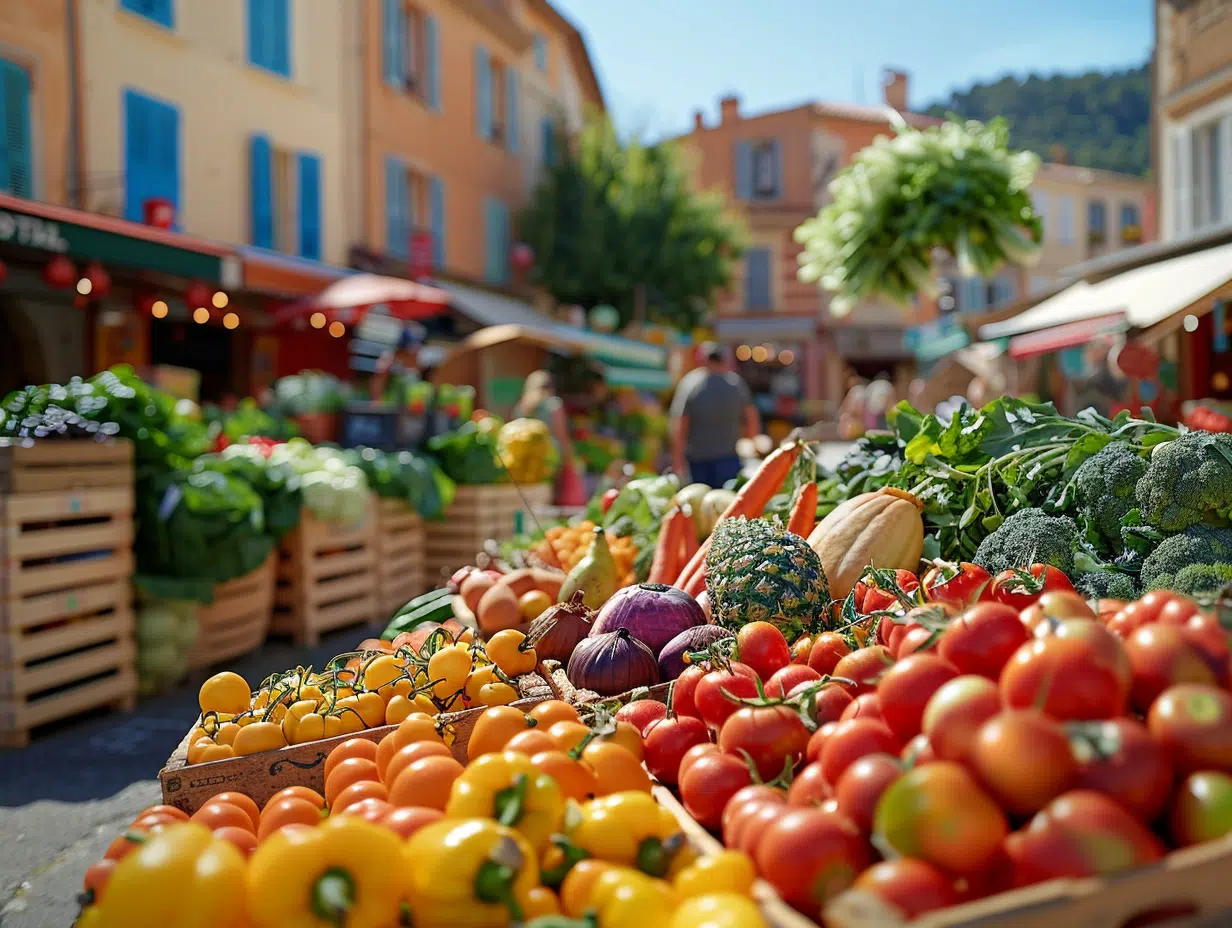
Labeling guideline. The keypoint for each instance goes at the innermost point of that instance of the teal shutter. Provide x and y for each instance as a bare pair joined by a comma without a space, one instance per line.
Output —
393,42
513,130
158,11
281,26
397,224
310,206
744,171
548,130
256,31
436,197
506,242
491,240
261,190
483,93
432,52
151,153
757,278
16,162
776,158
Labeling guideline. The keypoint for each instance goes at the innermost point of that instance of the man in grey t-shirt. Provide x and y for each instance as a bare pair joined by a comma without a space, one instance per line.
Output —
711,410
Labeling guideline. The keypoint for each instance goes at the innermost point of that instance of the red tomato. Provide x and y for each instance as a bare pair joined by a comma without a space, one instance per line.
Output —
917,751
1041,617
870,598
758,794
809,788
1202,810
810,856
939,814
913,887
1079,671
958,585
860,787
1080,834
800,649
694,754
642,713
932,618
850,741
906,688
762,647
749,823
1020,588
818,740
982,639
667,742
822,705
1024,759
1194,724
713,706
828,649
785,679
915,640
866,706
1161,656
1178,611
1147,609
1119,758
955,713
684,690
864,668
708,784
1205,632
774,737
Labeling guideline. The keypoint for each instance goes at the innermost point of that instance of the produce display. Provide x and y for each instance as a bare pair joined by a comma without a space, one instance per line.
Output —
565,546
526,449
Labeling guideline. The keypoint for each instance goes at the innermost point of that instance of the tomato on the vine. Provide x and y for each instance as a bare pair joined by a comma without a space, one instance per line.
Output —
642,713
864,668
708,784
1020,588
872,598
982,639
809,787
772,737
824,704
1119,758
810,856
851,740
828,649
786,679
761,646
668,740
906,688
711,693
959,585
684,690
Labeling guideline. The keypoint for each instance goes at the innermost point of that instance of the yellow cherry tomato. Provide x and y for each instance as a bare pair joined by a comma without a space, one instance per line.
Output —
258,737
448,669
717,910
721,872
225,692
507,649
497,694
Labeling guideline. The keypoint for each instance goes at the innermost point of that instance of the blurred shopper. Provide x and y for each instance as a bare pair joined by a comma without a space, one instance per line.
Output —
879,398
539,401
711,411
851,412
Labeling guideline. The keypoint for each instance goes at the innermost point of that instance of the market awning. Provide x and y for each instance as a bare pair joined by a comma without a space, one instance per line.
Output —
490,309
609,350
267,271
936,339
640,378
1145,295
349,299
1070,335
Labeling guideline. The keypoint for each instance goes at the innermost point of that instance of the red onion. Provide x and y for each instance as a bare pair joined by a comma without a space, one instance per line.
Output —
652,612
612,663
697,638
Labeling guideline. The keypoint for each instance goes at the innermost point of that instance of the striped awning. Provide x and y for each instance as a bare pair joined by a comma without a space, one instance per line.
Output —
1069,335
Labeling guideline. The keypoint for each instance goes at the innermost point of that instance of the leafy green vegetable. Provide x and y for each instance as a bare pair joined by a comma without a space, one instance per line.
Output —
248,420
308,392
405,475
468,455
276,483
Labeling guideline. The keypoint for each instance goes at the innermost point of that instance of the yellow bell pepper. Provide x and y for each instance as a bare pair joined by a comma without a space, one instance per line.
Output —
346,871
632,830
470,873
507,787
721,872
718,910
182,877
627,898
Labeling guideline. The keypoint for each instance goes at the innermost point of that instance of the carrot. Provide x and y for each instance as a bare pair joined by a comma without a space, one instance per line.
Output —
665,565
804,513
750,502
689,543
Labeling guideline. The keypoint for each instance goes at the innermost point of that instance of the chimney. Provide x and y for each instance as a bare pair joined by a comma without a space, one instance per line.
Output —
699,120
729,109
1058,154
894,86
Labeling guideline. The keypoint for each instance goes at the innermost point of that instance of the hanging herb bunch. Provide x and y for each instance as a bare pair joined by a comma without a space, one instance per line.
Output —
955,187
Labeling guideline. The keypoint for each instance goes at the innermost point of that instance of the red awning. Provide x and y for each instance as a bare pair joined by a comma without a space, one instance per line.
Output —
348,299
1070,335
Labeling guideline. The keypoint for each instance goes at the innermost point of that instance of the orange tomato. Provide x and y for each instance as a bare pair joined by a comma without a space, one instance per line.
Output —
358,792
370,810
297,792
493,730
568,735
411,753
352,747
351,770
95,881
121,847
407,820
242,838
531,742
398,709
628,737
214,815
616,770
427,782
580,882
415,728
156,818
242,801
164,810
575,779
551,711
279,813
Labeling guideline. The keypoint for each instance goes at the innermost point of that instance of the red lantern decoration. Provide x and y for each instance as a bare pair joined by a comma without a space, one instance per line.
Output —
143,303
1138,360
4,271
198,294
100,280
60,273
522,256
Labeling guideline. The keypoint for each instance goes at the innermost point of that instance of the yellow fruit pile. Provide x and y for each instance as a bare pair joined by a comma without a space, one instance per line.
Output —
568,544
527,450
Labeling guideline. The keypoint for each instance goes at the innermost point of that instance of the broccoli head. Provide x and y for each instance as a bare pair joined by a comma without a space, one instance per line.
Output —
1199,544
1106,584
1189,481
1104,486
1030,536
1201,578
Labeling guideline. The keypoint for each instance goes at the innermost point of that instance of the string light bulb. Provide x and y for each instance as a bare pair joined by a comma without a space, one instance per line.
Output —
786,357
231,321
201,315
220,300
760,354
159,309
337,329
743,353
84,286
317,320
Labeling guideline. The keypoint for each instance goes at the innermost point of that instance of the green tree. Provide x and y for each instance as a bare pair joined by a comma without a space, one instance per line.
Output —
612,216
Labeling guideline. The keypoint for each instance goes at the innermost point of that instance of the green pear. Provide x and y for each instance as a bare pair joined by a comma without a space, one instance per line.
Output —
594,574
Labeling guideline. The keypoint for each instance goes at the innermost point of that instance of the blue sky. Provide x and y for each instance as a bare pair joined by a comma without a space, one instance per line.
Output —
660,59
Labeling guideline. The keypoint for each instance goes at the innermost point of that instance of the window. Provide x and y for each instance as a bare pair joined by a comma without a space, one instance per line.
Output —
1208,175
285,199
547,132
497,239
1097,222
1039,200
406,205
972,294
541,53
411,51
1131,224
497,101
1065,219
151,153
437,214
16,161
157,11
759,169
998,290
757,279
308,170
269,35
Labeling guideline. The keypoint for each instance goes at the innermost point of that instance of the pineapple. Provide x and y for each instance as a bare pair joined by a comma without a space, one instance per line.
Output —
756,572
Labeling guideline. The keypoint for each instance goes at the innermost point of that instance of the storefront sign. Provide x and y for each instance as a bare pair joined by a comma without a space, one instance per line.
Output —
31,232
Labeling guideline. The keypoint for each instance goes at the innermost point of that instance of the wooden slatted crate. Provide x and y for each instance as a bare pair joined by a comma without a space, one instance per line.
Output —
28,466
326,578
66,621
400,540
479,514
238,619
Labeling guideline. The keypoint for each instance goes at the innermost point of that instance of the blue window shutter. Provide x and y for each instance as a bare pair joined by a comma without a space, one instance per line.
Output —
483,93
548,129
261,190
282,36
393,42
491,240
432,52
256,31
436,197
397,208
310,206
168,158
158,11
513,130
776,148
757,278
16,164
744,171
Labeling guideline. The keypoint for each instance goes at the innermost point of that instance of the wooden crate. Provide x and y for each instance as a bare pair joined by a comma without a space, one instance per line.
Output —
400,539
28,466
326,578
66,621
477,515
260,776
238,619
